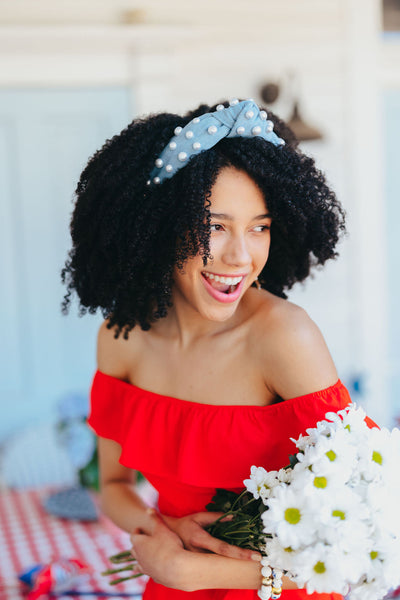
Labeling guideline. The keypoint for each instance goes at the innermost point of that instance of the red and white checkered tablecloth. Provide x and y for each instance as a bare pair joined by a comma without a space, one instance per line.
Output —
29,536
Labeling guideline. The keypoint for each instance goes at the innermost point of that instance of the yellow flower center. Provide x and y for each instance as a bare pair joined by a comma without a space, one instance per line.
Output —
319,567
373,554
292,515
339,513
320,482
377,457
331,455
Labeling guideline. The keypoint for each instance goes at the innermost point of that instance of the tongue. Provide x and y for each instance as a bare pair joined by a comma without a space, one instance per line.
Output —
217,285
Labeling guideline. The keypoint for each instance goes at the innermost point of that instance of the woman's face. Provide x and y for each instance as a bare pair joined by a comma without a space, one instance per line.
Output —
239,245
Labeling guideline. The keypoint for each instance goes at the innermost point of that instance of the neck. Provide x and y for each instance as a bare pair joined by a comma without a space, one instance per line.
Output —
185,326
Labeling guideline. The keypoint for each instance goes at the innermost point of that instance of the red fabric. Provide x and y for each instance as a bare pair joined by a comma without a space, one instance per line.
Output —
187,449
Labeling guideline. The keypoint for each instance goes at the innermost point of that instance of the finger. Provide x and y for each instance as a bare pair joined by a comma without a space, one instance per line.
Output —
138,540
208,542
135,533
135,538
206,518
139,568
152,512
231,551
156,518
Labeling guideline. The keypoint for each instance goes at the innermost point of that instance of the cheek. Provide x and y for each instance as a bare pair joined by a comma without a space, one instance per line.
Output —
261,249
191,270
216,245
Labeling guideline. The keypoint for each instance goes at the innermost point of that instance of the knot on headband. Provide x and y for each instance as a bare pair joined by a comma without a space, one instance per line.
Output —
239,119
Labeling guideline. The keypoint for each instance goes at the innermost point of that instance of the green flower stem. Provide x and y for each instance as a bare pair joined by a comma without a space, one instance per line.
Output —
112,571
121,557
232,510
121,579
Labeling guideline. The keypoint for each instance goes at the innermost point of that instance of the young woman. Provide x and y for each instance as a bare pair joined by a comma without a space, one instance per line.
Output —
186,233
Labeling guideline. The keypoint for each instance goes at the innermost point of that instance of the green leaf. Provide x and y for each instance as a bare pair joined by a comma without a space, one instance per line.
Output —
222,501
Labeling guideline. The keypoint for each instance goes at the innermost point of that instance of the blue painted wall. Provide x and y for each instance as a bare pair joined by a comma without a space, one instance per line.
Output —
46,137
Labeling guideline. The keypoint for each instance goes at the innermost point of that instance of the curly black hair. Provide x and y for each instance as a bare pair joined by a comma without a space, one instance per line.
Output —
128,236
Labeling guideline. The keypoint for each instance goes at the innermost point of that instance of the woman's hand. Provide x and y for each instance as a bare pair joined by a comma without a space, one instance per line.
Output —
161,555
159,552
195,538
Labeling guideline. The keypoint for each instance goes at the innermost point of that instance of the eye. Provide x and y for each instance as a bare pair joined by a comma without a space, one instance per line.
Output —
261,228
216,227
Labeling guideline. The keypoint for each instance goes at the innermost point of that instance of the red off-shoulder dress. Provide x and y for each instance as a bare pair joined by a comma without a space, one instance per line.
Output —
187,449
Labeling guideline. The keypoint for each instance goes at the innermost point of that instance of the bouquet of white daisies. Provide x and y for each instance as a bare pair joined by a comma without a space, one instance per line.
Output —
331,520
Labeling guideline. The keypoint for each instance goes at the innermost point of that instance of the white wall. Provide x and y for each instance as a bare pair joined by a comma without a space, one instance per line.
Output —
176,54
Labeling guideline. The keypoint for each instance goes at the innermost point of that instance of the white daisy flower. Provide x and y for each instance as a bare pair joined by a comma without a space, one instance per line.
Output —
310,484
279,556
384,558
341,515
319,568
390,558
378,457
384,503
322,428
333,454
373,590
290,517
352,419
256,481
285,475
261,482
375,559
269,483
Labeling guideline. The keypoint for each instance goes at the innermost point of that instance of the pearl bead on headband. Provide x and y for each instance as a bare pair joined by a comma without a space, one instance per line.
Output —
240,119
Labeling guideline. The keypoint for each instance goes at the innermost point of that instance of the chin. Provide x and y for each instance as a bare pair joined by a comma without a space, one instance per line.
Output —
219,316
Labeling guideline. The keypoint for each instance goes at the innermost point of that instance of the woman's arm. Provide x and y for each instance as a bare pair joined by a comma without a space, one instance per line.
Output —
162,557
123,505
292,353
208,571
118,498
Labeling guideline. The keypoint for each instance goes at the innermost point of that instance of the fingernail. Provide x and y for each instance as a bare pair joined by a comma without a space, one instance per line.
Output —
256,557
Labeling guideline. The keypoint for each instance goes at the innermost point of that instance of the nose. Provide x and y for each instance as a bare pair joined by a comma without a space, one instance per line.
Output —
236,252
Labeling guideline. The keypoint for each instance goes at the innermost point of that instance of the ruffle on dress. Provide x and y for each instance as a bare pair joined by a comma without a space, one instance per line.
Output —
203,444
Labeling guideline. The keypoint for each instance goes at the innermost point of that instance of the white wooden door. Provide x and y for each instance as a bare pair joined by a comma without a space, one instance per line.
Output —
46,137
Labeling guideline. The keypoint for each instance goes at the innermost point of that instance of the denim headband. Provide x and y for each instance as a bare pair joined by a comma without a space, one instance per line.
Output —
240,119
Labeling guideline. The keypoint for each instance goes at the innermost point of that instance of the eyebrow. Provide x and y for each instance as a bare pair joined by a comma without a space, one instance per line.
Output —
230,218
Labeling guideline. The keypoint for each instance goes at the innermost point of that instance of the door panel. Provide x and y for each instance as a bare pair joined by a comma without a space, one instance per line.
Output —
46,137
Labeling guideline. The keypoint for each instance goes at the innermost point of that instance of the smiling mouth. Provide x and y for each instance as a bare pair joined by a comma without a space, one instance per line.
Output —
225,285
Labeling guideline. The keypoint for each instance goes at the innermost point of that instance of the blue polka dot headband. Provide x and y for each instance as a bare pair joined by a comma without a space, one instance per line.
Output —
240,119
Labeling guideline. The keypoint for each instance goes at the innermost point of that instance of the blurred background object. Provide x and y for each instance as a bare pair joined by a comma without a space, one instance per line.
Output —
303,131
391,15
73,74
78,440
32,457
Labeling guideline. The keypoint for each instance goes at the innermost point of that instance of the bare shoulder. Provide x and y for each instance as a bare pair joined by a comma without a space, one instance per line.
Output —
115,355
293,354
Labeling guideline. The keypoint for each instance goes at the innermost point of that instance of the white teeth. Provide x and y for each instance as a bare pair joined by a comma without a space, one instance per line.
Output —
225,280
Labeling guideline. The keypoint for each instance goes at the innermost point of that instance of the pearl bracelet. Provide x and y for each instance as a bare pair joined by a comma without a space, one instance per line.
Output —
271,585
